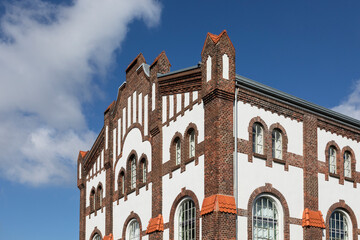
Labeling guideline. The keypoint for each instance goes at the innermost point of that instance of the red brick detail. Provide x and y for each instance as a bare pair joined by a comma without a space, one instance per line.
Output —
218,202
342,206
155,224
109,237
312,219
133,62
158,57
109,107
127,221
95,231
216,38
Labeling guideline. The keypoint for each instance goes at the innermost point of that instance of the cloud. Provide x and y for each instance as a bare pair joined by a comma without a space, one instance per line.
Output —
351,105
49,55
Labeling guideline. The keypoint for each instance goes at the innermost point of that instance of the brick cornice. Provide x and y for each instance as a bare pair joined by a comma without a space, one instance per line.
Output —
218,93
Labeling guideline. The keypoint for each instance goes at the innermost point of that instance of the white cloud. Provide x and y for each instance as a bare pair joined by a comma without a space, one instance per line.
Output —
351,105
48,55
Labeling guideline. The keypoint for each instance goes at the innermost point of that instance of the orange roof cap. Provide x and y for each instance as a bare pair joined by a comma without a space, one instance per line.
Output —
108,108
312,219
218,202
157,58
216,38
155,224
132,62
83,153
109,237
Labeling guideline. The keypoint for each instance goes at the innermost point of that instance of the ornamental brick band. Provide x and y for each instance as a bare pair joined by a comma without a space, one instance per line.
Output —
220,203
155,224
312,219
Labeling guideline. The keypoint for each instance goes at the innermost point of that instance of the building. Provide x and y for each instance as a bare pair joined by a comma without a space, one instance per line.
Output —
163,166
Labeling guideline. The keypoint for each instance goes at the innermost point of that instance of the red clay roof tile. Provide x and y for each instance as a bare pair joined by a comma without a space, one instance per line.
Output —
218,202
216,38
109,237
155,224
126,70
312,219
83,153
108,108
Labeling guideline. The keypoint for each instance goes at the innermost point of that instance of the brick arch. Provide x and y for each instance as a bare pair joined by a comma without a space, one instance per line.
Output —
353,160
342,206
184,193
186,139
332,143
265,136
173,149
127,221
95,231
279,127
268,189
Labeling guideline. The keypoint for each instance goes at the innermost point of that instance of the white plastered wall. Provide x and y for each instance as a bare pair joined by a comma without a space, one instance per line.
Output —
140,204
100,177
97,221
325,137
133,141
196,116
192,179
294,129
288,183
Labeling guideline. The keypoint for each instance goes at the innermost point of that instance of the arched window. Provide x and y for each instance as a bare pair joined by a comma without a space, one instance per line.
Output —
277,144
191,143
92,199
339,226
258,138
96,237
186,220
144,170
177,151
133,230
332,160
99,196
121,183
265,219
347,164
133,172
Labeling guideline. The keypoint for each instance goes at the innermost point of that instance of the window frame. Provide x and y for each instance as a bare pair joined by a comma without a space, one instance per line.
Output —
192,143
334,159
255,138
177,218
96,237
348,222
133,172
177,142
277,144
129,229
347,158
280,212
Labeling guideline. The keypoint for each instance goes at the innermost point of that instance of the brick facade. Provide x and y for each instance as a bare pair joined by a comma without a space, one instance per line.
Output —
155,107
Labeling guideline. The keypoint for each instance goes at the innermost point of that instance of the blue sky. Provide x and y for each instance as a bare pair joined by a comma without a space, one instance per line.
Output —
61,63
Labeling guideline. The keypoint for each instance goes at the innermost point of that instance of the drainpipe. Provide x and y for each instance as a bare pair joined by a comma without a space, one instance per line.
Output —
236,193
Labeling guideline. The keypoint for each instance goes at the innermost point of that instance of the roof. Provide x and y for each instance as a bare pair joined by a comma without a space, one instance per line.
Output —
132,62
155,224
108,108
312,219
216,38
83,153
109,237
295,101
218,202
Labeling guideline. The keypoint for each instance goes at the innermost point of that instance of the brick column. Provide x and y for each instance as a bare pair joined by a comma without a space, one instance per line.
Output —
82,211
310,172
218,96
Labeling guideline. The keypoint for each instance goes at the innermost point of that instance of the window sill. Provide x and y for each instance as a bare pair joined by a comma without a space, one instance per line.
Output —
335,175
189,160
175,167
281,161
142,185
349,179
131,191
258,155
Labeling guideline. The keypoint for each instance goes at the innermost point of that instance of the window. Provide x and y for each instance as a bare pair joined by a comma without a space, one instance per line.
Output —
338,226
347,164
277,144
258,139
99,195
332,160
177,151
143,163
133,172
122,182
187,220
133,231
96,237
265,219
191,143
92,199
